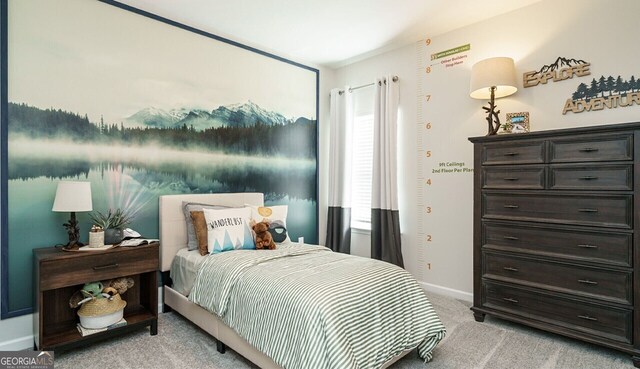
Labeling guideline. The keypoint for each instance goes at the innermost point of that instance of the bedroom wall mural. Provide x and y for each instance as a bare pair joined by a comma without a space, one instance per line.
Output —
141,108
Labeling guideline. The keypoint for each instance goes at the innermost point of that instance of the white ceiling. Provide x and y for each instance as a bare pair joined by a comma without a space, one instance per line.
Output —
327,33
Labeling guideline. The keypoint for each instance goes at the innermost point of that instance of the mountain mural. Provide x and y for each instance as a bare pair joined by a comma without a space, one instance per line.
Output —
560,63
236,115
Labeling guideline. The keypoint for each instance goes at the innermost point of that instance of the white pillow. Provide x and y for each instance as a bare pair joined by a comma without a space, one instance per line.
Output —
229,229
276,215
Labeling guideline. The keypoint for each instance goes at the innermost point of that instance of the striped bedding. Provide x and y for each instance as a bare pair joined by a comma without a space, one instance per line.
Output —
308,307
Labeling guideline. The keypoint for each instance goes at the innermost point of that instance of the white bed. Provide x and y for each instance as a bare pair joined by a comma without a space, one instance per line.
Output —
173,236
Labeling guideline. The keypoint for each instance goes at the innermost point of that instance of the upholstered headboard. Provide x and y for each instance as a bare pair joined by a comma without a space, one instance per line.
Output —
173,228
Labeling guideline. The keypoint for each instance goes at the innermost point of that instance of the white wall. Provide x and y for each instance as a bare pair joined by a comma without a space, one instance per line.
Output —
596,31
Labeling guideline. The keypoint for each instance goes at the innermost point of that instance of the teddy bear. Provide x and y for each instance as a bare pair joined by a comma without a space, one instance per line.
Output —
98,290
264,240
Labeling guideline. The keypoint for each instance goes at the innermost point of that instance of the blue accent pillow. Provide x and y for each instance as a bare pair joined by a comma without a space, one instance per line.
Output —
229,229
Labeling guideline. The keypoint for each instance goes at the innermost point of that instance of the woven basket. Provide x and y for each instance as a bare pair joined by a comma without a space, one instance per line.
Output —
101,313
104,306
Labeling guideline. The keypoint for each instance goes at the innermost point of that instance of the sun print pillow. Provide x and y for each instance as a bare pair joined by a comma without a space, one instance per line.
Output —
277,217
228,229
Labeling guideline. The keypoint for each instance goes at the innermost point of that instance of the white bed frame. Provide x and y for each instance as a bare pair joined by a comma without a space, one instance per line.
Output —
173,237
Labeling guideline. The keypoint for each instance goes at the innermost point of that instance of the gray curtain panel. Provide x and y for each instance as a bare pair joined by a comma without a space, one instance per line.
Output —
385,236
340,131
339,229
385,221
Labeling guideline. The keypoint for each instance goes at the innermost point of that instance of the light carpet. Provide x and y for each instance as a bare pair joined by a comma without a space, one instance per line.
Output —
494,344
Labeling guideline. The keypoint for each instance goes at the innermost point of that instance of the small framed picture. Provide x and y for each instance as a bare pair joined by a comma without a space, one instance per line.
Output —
517,122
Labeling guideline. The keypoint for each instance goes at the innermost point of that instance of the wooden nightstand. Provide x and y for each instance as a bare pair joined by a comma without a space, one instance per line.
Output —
58,274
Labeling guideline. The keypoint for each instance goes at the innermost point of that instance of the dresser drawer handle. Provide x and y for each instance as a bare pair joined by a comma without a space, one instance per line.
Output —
586,281
512,238
589,149
511,179
588,210
108,266
588,178
587,317
509,299
585,246
511,269
511,206
512,153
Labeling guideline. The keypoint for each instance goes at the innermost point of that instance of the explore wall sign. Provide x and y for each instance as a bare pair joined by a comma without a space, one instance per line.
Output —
606,92
562,69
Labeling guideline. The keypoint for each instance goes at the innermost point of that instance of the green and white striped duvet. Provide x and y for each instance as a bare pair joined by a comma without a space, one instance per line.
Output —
308,307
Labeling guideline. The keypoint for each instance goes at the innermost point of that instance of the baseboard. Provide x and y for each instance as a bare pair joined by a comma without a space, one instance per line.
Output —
18,344
446,291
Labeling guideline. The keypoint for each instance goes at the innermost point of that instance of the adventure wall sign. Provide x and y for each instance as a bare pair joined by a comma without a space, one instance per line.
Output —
606,92
562,69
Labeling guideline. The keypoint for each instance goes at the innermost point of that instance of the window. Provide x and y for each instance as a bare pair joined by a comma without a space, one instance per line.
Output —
361,175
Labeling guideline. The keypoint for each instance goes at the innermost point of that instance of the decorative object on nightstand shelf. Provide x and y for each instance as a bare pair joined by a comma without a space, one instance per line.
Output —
113,223
72,197
493,78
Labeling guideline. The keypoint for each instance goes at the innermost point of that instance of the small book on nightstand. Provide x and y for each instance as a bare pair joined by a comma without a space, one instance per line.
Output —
89,331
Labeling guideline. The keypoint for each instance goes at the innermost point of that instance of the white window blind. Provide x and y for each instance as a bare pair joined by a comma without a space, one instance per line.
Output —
362,171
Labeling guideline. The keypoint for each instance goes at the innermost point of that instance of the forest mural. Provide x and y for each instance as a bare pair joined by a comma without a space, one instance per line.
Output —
141,110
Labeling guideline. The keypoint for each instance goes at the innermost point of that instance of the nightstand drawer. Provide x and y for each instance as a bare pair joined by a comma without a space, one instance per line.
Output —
513,177
521,153
582,209
600,177
97,266
603,321
592,148
610,285
577,244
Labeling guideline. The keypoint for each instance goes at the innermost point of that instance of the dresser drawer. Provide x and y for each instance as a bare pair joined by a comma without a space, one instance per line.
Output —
513,177
97,267
520,153
602,210
602,321
592,148
610,285
597,177
568,244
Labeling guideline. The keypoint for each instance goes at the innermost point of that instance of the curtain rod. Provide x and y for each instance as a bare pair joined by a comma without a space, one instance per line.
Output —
351,89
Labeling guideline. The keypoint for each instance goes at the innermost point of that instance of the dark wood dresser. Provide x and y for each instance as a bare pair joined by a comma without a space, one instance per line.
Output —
556,236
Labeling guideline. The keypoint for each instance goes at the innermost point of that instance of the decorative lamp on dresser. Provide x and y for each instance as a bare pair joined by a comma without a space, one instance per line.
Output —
557,232
58,274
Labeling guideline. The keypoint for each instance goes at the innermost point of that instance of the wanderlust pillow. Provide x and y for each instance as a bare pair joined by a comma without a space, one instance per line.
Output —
276,216
228,229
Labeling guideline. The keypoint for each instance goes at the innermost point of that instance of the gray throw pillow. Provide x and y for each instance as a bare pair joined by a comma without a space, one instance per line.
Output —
187,208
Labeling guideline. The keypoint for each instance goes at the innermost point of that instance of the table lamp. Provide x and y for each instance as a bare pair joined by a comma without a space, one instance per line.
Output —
72,196
493,78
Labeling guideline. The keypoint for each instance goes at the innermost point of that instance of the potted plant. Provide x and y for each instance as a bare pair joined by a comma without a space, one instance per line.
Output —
113,222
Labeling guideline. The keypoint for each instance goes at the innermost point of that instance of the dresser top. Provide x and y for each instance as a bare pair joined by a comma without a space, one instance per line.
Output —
606,128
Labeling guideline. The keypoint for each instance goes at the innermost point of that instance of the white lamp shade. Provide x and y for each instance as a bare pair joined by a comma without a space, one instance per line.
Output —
499,72
73,196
